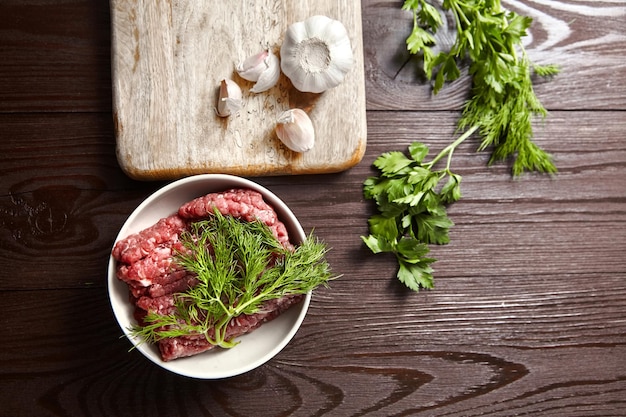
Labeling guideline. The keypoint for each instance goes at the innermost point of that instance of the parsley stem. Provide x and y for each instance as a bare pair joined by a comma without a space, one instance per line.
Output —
449,150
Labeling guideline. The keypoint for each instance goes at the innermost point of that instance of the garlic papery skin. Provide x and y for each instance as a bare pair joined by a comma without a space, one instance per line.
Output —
229,100
262,68
316,54
295,129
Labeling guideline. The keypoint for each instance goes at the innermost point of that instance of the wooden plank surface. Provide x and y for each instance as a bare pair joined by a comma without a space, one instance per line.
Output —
527,316
583,38
168,60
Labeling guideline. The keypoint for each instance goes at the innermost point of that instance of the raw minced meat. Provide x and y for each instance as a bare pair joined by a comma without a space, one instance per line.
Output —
145,262
243,204
138,245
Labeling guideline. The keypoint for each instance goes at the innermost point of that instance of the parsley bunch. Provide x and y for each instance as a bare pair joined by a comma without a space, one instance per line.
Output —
240,265
411,199
410,194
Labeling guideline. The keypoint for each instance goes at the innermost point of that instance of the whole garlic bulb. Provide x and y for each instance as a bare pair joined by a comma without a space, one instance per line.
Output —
316,54
295,129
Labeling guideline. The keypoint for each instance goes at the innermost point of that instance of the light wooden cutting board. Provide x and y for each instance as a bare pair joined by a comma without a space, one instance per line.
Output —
168,58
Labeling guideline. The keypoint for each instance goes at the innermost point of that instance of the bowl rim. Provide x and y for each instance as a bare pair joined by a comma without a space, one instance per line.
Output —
122,309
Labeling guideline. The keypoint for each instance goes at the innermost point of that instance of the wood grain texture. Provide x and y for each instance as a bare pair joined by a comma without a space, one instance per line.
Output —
586,39
56,56
168,60
527,316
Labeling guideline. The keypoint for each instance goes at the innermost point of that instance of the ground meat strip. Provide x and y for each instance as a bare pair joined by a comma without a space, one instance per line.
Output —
138,245
243,204
155,268
162,305
179,347
176,281
185,282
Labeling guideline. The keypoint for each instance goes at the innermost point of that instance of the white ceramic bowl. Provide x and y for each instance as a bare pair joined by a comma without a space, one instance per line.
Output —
255,348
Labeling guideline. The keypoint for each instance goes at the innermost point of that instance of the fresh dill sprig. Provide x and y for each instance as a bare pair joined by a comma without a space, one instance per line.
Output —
503,103
239,265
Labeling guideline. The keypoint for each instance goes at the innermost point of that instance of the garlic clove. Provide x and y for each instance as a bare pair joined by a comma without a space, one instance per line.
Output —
316,54
230,98
269,77
295,129
262,68
252,67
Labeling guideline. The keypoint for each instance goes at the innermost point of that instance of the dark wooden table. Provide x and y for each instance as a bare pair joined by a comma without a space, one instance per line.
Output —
528,316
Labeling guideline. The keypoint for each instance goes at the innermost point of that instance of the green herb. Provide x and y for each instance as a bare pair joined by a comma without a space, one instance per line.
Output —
411,198
410,194
503,102
240,265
